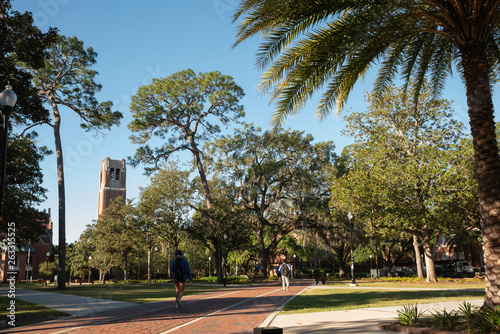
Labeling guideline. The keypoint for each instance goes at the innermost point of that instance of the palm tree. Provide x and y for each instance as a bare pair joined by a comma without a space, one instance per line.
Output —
328,45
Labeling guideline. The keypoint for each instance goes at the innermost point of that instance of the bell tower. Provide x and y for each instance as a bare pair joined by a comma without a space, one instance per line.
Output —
112,182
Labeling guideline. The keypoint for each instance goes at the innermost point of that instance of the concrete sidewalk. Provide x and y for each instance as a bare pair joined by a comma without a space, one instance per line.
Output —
71,304
363,320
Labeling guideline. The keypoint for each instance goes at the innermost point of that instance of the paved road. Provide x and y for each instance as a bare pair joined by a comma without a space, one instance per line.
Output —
237,310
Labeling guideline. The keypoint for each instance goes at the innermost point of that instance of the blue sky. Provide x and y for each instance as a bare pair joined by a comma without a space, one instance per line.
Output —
138,41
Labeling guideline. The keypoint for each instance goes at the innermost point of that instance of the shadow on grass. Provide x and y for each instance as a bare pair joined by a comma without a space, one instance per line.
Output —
28,313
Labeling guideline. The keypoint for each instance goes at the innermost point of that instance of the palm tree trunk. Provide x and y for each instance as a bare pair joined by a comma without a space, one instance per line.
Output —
479,100
61,269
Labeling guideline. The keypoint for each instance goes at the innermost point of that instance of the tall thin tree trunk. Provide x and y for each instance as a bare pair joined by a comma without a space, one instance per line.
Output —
418,259
61,269
479,100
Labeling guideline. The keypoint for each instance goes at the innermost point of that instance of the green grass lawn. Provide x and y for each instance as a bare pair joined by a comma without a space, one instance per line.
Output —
28,313
413,283
334,299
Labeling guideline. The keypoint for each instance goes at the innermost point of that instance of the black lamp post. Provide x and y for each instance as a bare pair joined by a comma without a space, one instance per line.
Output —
7,101
225,261
90,258
155,260
293,271
370,265
353,282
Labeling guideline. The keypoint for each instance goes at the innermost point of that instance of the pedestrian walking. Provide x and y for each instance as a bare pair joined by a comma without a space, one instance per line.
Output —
278,273
180,272
285,275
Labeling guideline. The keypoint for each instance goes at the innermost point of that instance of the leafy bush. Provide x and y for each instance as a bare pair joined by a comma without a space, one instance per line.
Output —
410,315
487,320
445,320
467,310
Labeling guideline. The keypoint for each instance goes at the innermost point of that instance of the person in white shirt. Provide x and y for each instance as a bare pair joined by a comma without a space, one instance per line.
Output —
285,275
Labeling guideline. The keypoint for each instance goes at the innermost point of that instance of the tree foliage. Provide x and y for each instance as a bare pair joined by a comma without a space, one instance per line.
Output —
24,191
21,41
412,169
330,44
279,177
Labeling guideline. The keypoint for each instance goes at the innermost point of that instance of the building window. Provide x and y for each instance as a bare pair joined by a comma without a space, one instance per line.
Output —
117,173
112,173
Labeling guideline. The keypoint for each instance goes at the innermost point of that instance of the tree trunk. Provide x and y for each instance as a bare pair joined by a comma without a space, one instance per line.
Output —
218,265
61,269
418,259
429,261
262,253
125,267
201,172
482,124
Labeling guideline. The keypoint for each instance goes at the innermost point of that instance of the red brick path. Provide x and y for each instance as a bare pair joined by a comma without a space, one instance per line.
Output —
235,310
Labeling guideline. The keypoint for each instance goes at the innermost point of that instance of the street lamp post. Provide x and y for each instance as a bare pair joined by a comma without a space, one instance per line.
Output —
90,258
7,101
370,265
225,260
155,262
209,267
353,282
293,271
47,265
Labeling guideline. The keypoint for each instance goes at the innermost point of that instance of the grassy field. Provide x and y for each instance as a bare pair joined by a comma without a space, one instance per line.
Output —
335,299
28,313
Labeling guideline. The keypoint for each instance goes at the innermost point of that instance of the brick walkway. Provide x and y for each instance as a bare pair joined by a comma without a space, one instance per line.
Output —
235,310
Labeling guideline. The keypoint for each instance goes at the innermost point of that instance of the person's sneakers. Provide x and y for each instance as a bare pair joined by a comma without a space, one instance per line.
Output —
286,288
177,303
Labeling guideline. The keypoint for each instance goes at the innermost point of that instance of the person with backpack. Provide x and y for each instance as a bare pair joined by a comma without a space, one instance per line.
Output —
285,275
180,272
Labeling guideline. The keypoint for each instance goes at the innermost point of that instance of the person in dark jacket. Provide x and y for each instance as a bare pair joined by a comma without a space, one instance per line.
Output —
180,273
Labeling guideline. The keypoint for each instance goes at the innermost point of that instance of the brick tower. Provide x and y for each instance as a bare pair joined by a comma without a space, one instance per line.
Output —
112,182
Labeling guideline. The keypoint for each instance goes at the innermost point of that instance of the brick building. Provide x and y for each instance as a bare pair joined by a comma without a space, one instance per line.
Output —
29,258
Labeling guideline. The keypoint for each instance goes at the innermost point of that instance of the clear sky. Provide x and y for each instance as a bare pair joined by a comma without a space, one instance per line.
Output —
140,40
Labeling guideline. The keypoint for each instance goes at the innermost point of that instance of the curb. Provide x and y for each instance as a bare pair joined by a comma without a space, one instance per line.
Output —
267,322
393,326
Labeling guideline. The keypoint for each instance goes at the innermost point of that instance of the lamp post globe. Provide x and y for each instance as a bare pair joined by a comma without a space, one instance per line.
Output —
8,100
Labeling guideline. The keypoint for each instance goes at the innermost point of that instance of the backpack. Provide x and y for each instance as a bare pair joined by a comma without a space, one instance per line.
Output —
285,270
178,272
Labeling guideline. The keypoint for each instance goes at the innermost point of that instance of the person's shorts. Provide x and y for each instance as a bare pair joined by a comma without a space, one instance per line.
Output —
179,281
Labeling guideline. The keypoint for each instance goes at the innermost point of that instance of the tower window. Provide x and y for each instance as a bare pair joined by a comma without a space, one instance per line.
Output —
117,173
112,173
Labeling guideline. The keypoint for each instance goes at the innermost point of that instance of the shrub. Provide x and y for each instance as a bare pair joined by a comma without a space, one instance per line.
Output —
409,315
445,320
466,309
487,320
